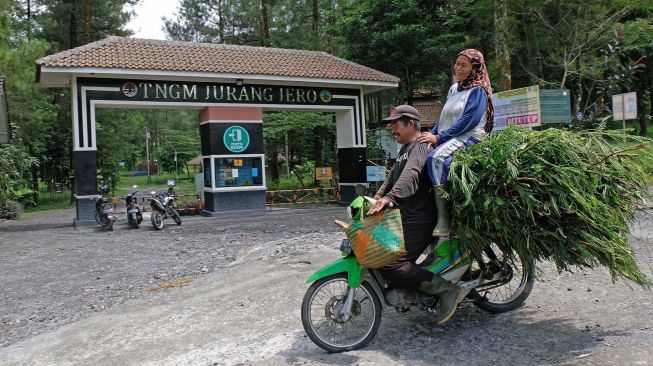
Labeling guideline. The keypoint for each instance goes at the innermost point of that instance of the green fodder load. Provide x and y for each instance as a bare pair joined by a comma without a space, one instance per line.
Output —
553,195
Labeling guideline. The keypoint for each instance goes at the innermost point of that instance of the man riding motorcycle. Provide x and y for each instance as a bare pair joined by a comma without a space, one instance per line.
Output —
408,187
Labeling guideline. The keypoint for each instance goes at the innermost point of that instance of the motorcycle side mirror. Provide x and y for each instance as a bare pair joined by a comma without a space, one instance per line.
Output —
361,189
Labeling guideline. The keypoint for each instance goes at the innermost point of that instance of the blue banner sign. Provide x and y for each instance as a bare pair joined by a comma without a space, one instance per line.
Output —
375,173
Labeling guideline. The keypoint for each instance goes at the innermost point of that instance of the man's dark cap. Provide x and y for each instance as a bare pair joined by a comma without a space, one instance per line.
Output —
403,110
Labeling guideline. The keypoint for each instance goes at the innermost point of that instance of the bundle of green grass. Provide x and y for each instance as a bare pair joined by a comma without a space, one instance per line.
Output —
556,195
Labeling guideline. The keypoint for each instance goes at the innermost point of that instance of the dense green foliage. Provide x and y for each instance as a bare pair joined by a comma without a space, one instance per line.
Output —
553,195
15,167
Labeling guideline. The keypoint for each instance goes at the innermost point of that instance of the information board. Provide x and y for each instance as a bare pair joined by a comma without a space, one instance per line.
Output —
519,107
555,106
323,173
624,106
375,173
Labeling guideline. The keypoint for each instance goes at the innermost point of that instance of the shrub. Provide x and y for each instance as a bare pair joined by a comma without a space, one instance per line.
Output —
10,210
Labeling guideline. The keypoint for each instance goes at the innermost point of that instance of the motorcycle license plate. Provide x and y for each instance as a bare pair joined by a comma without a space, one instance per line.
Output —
108,211
133,210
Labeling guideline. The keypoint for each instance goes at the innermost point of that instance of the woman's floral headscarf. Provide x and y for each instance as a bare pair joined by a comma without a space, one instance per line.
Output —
479,77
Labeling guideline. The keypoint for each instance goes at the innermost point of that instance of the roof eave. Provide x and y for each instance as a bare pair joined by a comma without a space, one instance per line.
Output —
52,77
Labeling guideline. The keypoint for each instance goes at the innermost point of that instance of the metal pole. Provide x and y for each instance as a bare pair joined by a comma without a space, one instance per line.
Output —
147,153
623,110
287,158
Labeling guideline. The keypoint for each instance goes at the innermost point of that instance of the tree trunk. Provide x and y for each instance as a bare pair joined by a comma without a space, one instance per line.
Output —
35,178
502,35
318,147
579,86
409,87
265,24
530,41
371,111
643,122
274,166
72,31
220,21
87,21
29,20
314,26
379,107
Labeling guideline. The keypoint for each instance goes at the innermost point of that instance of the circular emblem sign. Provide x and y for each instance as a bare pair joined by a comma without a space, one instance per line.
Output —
236,139
129,89
325,95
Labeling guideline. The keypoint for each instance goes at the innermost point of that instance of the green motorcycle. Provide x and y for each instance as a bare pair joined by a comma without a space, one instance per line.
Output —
342,308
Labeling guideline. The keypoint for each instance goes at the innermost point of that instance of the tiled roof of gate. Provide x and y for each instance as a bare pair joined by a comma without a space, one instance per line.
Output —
146,54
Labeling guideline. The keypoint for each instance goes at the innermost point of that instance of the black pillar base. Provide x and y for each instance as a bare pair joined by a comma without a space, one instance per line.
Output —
85,164
230,203
85,213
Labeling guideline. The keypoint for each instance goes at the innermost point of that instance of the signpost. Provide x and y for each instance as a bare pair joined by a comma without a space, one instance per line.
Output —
323,173
375,173
624,106
555,106
517,107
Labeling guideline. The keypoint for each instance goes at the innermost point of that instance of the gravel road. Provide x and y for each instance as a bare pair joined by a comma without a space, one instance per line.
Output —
228,292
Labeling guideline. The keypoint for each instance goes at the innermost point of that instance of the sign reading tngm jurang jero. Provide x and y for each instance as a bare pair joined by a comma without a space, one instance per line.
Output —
214,93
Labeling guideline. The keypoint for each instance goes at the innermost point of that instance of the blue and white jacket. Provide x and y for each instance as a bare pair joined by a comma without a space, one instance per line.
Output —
463,115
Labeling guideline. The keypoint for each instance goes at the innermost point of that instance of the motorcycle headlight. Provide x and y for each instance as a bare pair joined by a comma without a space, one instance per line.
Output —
345,247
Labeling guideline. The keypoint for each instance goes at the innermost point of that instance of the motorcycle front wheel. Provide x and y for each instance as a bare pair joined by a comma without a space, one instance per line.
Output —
323,322
97,218
175,216
512,286
157,220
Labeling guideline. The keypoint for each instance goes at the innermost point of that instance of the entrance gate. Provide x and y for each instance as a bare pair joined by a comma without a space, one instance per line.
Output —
231,89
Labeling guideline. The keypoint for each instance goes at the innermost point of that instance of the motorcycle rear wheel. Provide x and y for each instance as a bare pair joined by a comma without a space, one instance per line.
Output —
157,220
321,319
516,287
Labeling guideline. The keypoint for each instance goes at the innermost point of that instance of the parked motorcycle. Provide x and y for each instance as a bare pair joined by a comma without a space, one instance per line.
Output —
163,206
341,310
134,213
103,210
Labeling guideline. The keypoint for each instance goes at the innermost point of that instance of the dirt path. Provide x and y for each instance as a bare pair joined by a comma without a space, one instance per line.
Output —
80,297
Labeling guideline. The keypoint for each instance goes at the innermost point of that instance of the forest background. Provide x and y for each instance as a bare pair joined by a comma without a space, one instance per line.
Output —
594,49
